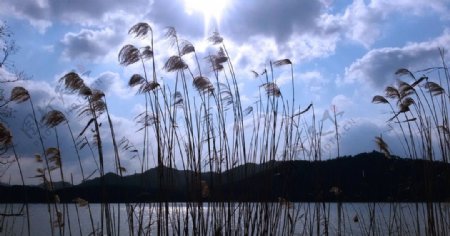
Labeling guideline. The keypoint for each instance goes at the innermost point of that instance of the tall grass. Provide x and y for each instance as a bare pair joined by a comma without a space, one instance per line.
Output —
201,138
198,123
420,117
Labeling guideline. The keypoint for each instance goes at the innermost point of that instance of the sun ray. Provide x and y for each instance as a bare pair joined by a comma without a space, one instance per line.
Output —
212,11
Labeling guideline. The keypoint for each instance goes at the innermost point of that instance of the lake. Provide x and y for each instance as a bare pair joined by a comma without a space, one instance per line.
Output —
281,218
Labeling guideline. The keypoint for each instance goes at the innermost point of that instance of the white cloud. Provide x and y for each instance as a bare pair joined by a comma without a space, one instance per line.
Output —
111,84
45,98
307,82
304,26
294,29
49,48
363,22
342,102
377,67
311,78
310,46
358,135
417,7
43,14
89,44
360,22
41,25
270,18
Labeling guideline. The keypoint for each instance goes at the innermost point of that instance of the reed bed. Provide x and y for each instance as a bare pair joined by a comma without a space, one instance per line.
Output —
419,117
198,123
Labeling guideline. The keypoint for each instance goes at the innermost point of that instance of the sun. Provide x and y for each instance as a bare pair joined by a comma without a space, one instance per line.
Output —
212,10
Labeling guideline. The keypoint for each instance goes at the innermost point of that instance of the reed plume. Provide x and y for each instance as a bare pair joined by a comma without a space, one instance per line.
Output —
128,55
202,84
382,145
5,138
140,30
53,118
135,80
272,89
379,99
175,63
215,38
19,94
187,48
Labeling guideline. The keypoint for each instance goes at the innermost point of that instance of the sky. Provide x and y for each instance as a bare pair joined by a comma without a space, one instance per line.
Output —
344,53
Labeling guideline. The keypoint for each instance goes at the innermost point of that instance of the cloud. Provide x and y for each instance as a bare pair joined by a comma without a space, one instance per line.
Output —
342,102
296,29
45,98
111,84
377,66
21,121
104,24
49,48
173,13
89,44
270,18
99,43
304,31
44,13
313,80
303,24
359,22
273,29
417,7
359,136
363,22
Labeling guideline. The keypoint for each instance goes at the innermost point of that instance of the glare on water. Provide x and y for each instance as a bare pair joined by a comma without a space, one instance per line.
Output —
195,218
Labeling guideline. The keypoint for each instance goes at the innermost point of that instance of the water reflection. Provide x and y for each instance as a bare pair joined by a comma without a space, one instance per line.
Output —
281,218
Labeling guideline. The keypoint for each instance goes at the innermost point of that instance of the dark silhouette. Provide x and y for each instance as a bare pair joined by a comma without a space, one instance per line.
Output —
365,177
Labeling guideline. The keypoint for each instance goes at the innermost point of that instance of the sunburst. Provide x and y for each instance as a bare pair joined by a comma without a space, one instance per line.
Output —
212,10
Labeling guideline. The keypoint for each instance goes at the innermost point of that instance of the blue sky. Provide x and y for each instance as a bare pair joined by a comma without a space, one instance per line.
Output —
344,52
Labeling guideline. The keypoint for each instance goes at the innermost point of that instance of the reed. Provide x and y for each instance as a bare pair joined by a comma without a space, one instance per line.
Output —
422,116
198,124
202,138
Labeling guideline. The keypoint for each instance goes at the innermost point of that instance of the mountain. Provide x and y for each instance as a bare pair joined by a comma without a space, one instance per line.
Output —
56,185
361,178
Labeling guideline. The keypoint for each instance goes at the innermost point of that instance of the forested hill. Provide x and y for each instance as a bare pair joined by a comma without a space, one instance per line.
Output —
364,177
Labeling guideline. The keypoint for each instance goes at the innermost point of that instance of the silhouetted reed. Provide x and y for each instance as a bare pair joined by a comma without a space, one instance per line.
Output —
198,124
419,110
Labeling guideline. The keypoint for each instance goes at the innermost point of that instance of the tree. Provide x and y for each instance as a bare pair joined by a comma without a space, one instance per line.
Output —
7,43
7,48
